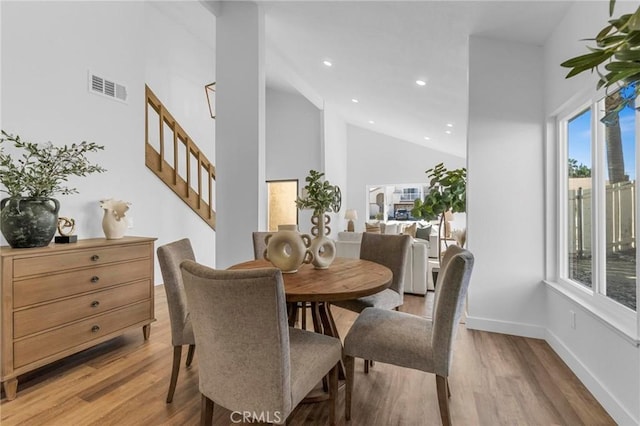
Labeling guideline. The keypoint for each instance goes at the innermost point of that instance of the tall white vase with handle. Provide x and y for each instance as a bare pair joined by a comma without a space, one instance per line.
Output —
322,247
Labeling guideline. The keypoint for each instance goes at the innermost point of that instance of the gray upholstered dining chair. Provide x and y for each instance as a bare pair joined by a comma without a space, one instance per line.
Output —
259,246
250,360
411,341
169,257
390,251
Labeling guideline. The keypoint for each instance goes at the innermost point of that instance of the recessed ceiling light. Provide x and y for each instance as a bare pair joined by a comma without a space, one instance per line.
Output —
354,100
449,125
372,122
327,63
448,132
421,82
426,138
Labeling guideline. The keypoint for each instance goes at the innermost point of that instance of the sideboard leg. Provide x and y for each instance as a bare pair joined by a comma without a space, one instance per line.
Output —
146,331
10,389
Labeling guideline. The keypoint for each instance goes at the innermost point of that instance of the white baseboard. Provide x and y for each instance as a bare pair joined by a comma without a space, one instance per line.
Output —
504,327
599,391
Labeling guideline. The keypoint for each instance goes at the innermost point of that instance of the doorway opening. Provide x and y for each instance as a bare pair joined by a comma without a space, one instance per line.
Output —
281,203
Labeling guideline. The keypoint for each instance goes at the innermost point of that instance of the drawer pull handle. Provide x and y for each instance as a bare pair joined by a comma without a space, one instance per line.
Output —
95,279
95,328
95,257
95,304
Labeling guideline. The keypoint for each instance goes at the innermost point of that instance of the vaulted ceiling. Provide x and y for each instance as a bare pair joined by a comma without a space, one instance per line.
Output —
378,50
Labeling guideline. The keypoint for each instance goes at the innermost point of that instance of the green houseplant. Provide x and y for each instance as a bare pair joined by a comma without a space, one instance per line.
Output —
319,195
617,50
322,197
447,193
31,174
616,59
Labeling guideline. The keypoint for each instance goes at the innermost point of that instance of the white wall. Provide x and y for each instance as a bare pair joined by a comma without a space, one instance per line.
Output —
604,359
374,159
45,97
293,141
505,191
335,162
240,130
177,66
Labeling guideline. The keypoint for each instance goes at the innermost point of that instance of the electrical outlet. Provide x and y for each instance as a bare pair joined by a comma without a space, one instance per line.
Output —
129,222
572,316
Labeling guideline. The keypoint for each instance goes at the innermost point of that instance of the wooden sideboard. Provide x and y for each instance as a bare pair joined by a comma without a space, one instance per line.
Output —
64,298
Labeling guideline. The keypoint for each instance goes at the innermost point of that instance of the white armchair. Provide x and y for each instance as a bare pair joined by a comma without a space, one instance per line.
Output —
416,268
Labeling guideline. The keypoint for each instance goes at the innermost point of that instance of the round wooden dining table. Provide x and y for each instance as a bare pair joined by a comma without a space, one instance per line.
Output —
345,279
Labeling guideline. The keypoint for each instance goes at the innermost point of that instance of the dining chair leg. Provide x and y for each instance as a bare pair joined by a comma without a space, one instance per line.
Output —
292,313
177,354
443,401
315,317
448,388
192,350
333,395
366,366
349,366
303,314
206,412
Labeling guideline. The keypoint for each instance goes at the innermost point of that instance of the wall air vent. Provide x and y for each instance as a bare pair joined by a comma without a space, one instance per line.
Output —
110,89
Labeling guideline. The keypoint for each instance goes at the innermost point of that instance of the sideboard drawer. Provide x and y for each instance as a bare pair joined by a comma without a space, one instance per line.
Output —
85,258
43,289
42,317
43,345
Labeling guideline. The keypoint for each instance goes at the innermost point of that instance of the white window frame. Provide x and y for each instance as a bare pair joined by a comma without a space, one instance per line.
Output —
594,299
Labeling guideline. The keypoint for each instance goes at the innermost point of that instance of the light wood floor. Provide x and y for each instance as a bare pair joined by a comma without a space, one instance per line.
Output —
496,380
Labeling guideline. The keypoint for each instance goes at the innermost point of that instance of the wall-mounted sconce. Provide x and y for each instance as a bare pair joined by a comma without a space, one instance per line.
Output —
210,90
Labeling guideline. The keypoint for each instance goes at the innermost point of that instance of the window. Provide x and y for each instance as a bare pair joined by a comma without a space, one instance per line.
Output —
620,206
598,200
579,198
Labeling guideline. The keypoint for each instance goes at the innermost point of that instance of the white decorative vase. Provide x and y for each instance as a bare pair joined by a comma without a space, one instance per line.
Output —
322,248
114,223
287,250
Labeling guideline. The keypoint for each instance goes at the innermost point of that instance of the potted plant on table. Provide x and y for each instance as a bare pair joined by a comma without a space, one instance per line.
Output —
322,197
29,216
448,194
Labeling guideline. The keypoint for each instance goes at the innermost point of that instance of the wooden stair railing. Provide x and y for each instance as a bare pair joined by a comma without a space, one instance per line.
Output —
170,172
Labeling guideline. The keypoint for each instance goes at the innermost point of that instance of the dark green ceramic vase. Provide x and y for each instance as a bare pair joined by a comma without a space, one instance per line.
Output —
29,222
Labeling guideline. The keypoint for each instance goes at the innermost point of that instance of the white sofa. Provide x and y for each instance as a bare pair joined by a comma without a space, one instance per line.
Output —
397,227
416,271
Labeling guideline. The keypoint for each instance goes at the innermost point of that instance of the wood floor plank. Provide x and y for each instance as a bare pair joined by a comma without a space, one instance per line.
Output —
496,380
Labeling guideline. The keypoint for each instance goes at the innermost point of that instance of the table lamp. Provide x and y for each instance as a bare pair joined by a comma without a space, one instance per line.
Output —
350,215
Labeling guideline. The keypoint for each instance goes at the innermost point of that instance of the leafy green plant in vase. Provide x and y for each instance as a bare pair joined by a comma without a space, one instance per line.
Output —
447,194
322,197
31,174
617,50
616,60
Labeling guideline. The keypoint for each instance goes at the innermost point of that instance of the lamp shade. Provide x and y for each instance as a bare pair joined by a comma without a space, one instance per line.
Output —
351,214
